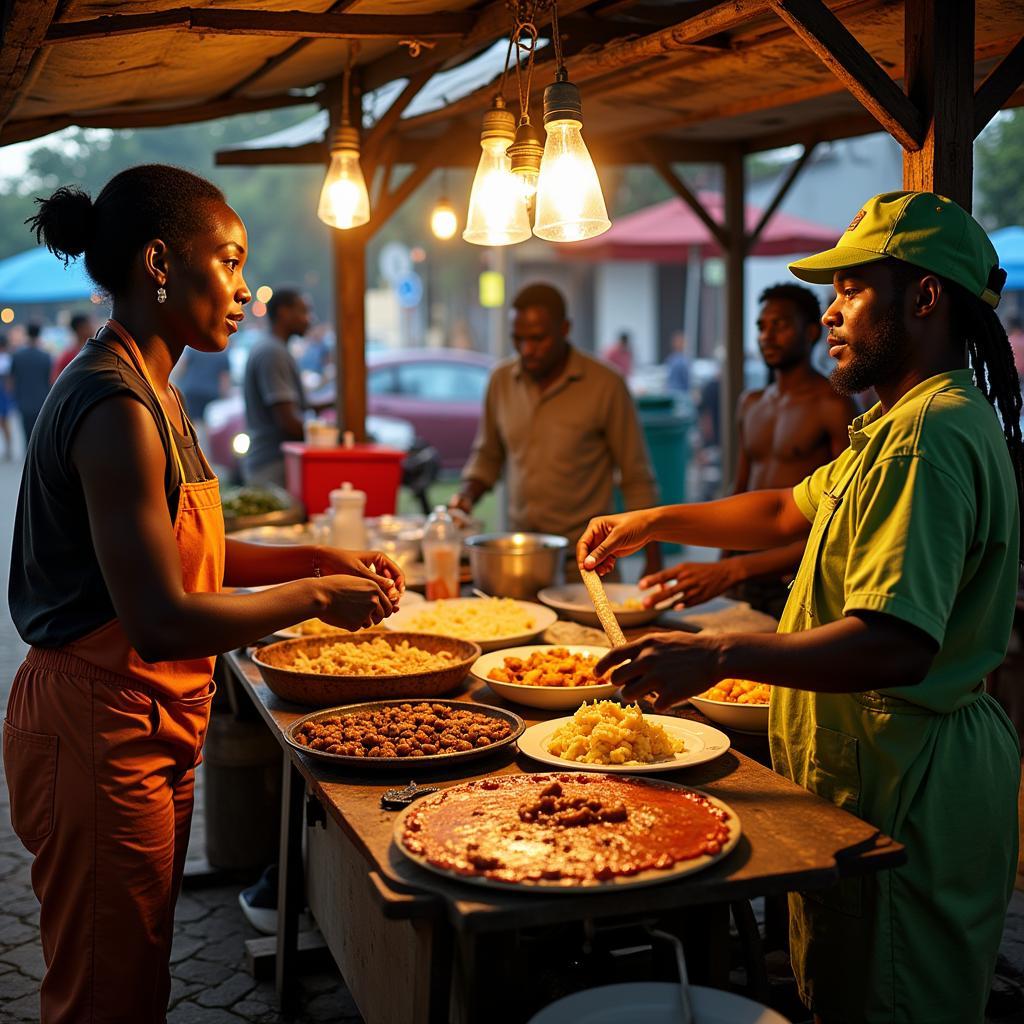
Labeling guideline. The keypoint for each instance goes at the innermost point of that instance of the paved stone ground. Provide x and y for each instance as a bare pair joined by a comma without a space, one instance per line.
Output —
210,984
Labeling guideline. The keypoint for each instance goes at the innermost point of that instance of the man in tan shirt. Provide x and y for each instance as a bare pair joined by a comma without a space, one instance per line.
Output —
563,428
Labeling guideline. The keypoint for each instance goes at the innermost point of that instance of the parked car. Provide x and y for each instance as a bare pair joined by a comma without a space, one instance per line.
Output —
439,393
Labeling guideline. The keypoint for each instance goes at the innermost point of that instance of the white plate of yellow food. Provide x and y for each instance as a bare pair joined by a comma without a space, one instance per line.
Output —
550,676
573,601
737,704
317,627
491,622
610,737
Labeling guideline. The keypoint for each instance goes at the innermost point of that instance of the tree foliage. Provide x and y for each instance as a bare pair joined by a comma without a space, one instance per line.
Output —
278,204
999,164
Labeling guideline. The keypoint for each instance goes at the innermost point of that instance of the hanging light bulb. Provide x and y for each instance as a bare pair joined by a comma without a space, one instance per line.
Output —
525,155
443,220
344,201
497,214
570,204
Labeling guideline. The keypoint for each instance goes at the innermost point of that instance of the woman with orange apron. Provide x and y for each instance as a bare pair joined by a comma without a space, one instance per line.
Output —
116,577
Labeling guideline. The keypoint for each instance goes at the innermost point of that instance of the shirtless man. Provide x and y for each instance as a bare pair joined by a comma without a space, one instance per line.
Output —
787,430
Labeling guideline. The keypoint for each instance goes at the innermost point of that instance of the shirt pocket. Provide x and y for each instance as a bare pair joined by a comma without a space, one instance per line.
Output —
30,761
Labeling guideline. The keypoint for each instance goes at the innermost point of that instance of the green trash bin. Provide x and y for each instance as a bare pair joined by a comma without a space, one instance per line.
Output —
666,426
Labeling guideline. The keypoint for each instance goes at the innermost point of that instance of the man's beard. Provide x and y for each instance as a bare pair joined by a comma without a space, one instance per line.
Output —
878,357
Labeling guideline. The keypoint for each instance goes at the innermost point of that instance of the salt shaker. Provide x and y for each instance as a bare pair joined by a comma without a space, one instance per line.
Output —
347,527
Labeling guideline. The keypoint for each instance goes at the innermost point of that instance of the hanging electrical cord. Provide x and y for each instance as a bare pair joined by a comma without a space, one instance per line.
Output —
527,148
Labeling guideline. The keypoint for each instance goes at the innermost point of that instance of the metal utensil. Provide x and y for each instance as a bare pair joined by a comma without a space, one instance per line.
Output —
684,980
396,799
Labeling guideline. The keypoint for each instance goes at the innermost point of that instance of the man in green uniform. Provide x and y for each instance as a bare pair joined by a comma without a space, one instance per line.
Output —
902,604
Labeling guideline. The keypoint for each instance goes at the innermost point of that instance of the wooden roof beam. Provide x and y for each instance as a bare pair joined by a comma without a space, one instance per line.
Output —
615,57
491,23
827,37
280,58
658,161
213,21
375,138
19,131
23,34
783,190
1003,81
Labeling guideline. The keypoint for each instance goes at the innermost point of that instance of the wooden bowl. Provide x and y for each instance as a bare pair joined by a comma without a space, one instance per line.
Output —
317,690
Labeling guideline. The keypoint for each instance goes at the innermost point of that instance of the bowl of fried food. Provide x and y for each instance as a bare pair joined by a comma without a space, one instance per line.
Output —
319,671
545,675
737,704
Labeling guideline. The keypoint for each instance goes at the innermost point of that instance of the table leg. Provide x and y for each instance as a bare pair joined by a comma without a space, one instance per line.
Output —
289,880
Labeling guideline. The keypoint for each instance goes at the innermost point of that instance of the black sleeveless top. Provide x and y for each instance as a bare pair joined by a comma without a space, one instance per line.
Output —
56,591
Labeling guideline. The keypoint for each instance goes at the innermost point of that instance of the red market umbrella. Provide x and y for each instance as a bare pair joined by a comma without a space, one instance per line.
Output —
667,231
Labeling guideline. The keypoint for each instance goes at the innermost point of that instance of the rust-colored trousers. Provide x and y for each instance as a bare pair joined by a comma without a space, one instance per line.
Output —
100,750
113,767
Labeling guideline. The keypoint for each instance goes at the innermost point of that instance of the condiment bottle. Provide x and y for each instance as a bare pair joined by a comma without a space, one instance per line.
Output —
442,544
347,527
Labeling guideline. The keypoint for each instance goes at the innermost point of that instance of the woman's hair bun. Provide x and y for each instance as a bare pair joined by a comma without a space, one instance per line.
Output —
65,223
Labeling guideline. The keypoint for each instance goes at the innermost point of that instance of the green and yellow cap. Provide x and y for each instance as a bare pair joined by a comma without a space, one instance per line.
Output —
922,228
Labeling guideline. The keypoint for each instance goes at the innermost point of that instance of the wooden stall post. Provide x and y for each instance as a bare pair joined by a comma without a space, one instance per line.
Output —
939,48
732,371
349,250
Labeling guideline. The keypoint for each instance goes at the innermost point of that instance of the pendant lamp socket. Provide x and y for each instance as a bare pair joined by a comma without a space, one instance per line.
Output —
499,122
562,101
345,136
525,155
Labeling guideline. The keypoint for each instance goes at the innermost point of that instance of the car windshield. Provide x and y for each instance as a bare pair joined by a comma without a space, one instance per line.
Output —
442,382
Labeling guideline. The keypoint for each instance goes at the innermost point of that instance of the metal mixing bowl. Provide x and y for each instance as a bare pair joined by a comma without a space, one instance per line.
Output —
516,564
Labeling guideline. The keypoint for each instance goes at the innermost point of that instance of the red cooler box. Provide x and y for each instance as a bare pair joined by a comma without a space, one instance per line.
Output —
312,473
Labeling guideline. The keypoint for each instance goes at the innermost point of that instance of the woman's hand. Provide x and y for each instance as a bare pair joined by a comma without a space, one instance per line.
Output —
608,538
672,665
353,602
693,582
370,565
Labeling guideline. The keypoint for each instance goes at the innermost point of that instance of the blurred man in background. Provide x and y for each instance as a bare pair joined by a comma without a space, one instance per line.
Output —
30,378
82,329
202,377
561,426
620,355
786,431
274,396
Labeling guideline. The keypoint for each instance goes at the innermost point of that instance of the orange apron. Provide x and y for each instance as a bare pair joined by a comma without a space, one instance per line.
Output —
100,750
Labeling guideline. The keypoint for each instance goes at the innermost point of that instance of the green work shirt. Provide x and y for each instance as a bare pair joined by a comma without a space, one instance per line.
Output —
917,519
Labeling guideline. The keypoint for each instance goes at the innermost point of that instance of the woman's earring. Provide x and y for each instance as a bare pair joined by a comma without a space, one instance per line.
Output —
161,294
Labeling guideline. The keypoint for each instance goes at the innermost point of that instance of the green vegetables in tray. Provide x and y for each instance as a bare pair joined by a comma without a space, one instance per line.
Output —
250,501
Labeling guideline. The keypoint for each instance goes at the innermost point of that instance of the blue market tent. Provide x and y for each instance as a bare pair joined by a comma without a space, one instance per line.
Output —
38,276
1009,243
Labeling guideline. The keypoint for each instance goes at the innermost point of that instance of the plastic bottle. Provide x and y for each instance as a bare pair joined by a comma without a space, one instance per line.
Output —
347,527
442,544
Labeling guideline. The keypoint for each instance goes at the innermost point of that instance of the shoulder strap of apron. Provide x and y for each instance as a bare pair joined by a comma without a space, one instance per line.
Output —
140,364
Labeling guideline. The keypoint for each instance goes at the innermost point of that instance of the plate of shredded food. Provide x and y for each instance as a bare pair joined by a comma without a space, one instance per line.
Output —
566,831
317,627
324,670
573,601
397,733
491,622
737,704
545,675
610,737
